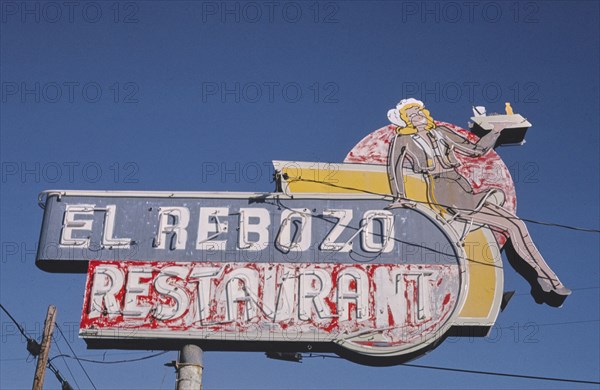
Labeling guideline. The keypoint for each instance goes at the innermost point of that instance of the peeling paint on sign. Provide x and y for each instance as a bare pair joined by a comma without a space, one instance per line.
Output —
366,308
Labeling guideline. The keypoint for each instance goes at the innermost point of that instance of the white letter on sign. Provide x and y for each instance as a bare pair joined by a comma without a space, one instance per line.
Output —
107,282
279,292
134,289
353,287
344,217
204,275
387,231
70,225
241,286
261,228
302,236
208,230
109,227
180,217
314,287
421,295
165,287
389,298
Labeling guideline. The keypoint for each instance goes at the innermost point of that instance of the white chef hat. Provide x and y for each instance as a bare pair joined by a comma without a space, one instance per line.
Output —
394,114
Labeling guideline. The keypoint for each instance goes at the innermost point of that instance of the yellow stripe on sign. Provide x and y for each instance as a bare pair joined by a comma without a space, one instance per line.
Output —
337,181
482,276
351,182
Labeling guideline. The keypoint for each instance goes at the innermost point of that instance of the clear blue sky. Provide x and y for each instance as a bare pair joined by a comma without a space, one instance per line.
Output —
133,95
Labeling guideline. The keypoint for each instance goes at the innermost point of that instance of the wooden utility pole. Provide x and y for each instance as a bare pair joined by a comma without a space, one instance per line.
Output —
42,362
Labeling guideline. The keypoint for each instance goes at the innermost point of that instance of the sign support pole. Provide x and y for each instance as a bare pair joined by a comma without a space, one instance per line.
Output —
42,362
189,368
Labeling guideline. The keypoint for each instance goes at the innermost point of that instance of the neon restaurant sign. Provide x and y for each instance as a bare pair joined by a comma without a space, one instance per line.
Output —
377,259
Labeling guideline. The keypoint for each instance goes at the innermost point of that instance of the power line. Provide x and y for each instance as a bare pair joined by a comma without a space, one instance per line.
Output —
81,356
543,378
111,353
479,372
65,361
551,324
63,383
74,354
15,322
587,230
494,373
579,229
33,347
162,353
112,361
